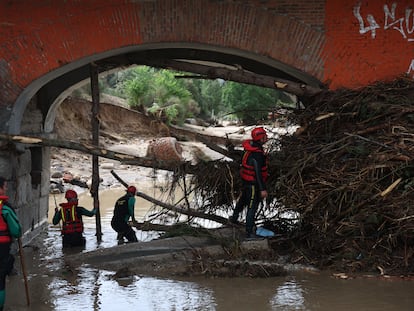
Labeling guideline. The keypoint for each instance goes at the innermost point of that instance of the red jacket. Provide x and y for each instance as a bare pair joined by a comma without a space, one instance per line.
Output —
4,228
253,153
71,222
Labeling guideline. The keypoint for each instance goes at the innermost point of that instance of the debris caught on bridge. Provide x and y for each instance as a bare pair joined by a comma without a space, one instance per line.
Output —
348,175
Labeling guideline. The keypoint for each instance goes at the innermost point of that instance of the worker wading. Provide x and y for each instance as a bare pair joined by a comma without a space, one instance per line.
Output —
72,225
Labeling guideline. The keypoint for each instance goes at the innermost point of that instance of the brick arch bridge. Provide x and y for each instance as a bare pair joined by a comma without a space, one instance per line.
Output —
47,47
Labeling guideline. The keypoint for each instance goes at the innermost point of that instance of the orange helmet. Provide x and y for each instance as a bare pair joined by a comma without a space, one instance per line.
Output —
258,133
70,194
132,189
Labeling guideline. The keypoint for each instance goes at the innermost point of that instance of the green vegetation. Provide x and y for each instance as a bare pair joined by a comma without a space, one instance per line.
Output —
250,103
173,99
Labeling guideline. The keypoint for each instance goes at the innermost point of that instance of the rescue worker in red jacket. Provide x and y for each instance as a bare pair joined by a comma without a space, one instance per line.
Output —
123,211
71,215
253,173
9,228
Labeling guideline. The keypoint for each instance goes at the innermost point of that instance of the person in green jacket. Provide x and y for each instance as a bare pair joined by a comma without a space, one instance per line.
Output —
123,211
9,228
71,214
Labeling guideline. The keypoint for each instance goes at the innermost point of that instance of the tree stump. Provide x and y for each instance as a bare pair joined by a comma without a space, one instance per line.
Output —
165,149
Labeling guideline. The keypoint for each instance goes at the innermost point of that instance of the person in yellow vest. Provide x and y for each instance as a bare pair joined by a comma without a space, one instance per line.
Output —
9,228
71,214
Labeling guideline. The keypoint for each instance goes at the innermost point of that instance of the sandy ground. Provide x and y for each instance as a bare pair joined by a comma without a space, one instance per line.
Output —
123,131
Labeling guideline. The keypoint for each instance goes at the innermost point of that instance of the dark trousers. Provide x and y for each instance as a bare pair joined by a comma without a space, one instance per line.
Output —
73,240
124,229
6,263
251,198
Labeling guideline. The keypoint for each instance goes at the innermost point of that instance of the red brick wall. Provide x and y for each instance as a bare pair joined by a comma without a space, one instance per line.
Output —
319,37
359,53
235,24
39,36
309,12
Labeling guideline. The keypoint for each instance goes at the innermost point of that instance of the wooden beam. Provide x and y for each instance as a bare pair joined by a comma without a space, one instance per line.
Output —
239,75
93,150
95,140
118,156
185,211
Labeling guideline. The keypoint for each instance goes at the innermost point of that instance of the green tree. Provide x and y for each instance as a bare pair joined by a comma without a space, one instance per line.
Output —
167,85
162,93
138,87
158,91
249,102
211,92
207,93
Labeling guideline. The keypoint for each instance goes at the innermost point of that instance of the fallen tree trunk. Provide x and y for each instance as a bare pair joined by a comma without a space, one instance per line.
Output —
98,151
185,134
232,154
239,75
185,211
125,184
188,211
122,157
212,142
149,226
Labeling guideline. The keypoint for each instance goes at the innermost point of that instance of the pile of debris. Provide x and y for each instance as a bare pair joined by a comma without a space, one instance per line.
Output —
348,173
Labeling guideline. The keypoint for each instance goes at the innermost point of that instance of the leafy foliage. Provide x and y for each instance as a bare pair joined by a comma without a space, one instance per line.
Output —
171,99
138,87
248,102
208,94
159,92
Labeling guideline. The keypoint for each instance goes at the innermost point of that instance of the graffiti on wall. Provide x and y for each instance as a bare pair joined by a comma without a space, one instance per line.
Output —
403,24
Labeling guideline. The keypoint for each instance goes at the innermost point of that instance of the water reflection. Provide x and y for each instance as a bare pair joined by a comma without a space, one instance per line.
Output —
93,289
96,290
54,286
288,296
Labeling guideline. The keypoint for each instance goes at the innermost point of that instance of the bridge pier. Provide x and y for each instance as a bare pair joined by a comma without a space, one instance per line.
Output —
27,169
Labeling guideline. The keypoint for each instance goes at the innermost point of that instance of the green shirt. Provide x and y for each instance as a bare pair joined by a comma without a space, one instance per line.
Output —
131,205
13,224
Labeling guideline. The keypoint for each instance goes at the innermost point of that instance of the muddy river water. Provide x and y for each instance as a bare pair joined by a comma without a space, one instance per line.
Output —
53,286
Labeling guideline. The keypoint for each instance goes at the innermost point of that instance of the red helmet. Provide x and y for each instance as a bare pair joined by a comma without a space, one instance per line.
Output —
70,194
132,189
258,133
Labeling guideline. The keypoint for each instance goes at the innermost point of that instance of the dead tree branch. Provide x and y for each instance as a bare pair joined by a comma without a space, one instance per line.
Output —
239,75
186,211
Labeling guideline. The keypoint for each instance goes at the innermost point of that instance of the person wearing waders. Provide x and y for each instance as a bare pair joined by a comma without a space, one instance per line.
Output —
253,173
9,228
71,215
123,211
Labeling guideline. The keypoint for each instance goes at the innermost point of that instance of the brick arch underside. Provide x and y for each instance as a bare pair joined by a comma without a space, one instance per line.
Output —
53,36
